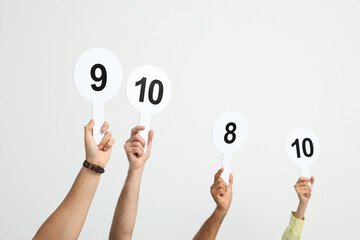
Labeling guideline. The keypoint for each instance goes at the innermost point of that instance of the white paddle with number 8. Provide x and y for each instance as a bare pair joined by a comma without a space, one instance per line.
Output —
229,134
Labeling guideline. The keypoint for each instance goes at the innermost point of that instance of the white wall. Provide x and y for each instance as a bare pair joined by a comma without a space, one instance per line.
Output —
282,64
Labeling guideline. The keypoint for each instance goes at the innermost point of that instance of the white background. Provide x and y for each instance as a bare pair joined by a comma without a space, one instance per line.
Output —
282,64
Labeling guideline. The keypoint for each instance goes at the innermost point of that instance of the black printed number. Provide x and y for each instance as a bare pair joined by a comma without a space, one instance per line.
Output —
101,79
230,132
307,152
153,83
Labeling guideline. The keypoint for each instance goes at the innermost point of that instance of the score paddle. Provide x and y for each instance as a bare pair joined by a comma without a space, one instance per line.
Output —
149,91
229,134
98,76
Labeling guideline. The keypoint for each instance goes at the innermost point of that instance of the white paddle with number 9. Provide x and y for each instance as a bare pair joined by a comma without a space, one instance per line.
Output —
229,134
98,76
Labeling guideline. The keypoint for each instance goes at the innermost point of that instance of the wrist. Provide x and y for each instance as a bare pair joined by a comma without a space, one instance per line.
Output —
95,162
303,203
90,172
93,167
221,212
135,170
136,166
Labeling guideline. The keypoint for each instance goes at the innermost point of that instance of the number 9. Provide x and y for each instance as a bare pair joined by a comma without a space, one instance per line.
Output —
101,79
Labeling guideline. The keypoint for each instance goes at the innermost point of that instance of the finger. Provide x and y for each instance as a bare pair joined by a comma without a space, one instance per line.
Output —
109,144
133,150
88,128
220,180
218,191
231,179
149,144
136,150
136,129
302,184
137,138
308,188
302,179
218,174
105,127
306,194
136,144
303,189
219,185
312,180
105,139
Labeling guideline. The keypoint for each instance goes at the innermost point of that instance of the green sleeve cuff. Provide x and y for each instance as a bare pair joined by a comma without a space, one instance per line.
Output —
296,225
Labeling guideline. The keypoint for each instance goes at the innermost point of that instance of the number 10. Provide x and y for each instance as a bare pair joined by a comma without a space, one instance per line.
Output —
296,143
142,82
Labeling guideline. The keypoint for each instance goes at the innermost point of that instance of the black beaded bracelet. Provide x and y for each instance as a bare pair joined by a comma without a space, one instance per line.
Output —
93,167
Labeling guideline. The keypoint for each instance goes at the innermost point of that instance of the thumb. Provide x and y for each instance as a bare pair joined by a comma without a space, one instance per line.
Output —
149,143
231,179
88,130
312,181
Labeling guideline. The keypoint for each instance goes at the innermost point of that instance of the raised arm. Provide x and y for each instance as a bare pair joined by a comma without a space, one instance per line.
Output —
303,190
222,195
126,209
68,219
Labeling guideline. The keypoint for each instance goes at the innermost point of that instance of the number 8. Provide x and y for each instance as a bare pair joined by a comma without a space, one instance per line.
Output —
230,132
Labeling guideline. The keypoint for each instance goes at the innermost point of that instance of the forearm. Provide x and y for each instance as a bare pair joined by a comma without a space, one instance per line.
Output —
300,212
126,209
211,227
68,219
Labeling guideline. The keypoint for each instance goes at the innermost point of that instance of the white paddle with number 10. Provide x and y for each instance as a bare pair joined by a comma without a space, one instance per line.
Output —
98,76
303,148
229,134
148,90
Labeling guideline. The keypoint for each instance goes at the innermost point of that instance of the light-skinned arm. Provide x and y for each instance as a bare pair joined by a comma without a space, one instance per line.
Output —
303,190
126,209
68,219
222,195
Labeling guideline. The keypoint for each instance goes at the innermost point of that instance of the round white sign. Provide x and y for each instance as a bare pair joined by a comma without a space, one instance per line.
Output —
302,147
98,75
148,89
229,132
